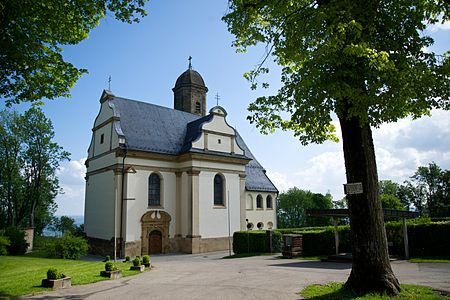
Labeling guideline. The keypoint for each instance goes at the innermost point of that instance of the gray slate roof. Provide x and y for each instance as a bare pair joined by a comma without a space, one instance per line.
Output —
152,128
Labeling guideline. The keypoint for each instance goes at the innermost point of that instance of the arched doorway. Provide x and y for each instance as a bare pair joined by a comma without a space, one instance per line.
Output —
155,232
155,242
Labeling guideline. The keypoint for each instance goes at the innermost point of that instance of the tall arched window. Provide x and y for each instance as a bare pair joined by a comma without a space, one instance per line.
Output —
154,190
269,204
259,201
218,190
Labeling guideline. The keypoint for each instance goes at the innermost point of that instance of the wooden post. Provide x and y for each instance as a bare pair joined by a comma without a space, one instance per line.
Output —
405,238
336,235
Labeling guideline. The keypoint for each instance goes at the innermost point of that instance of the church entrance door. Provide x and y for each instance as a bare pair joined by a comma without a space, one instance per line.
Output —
155,242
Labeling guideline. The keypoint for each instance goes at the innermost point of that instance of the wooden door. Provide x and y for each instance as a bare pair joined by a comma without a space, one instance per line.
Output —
155,242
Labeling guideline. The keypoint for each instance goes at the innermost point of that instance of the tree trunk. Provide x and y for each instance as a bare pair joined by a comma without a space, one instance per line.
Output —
371,270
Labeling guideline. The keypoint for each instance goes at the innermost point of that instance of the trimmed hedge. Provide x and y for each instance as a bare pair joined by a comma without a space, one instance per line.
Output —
255,241
425,239
67,247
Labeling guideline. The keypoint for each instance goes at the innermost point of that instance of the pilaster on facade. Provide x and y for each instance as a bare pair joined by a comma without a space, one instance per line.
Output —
194,187
178,209
242,212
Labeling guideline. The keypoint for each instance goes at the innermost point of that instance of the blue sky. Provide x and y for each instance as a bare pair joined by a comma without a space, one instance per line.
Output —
144,61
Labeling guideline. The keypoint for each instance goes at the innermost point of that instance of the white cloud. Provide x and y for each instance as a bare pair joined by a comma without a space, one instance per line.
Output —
439,26
71,179
280,180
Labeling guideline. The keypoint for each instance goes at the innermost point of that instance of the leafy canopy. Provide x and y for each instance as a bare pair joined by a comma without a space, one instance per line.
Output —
31,35
364,59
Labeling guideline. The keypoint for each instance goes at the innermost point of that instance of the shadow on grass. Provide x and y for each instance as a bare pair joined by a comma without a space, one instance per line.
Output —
315,265
242,255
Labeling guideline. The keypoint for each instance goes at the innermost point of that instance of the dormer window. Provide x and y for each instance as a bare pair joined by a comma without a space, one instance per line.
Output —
198,107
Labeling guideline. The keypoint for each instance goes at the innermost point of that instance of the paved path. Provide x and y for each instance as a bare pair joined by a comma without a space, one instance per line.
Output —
207,276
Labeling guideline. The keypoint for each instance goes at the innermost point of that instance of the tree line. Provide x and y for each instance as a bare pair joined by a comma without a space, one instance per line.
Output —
29,159
427,191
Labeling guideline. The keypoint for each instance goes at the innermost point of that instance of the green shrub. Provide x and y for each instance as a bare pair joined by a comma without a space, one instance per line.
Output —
68,247
127,258
54,274
4,243
107,258
255,241
146,259
18,245
109,266
136,261
431,239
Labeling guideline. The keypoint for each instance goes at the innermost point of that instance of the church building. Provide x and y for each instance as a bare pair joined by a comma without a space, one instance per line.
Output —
163,180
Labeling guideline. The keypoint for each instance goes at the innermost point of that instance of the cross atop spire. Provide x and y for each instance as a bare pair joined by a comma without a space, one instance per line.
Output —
217,99
190,64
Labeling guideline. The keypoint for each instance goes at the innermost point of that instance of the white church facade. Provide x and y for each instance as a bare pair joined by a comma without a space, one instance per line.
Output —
163,180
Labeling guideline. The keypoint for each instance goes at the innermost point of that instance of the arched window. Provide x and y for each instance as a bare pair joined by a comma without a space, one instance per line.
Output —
269,204
198,107
249,202
259,201
154,190
218,190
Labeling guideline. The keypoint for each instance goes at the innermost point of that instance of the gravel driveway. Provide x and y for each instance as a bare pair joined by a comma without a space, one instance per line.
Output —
208,276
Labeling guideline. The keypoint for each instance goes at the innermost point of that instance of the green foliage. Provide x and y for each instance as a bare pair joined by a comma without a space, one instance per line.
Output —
107,258
255,242
31,36
127,258
343,57
67,247
29,159
136,261
4,243
146,259
18,245
336,290
54,274
430,239
292,206
109,266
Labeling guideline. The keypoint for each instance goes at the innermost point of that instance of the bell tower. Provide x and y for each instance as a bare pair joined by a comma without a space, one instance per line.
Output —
190,92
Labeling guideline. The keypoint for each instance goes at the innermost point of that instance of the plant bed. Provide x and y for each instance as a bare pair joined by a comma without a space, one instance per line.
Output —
115,274
147,265
56,284
140,268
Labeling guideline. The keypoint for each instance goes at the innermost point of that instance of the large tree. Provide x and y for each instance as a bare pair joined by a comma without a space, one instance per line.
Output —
367,63
32,33
29,159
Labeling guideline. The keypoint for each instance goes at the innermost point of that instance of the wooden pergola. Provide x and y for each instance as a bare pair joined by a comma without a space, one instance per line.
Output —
339,213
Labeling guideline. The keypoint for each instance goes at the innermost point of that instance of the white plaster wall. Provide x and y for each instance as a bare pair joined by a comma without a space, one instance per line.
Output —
99,206
105,113
214,221
199,143
218,124
219,143
102,162
139,206
106,146
263,215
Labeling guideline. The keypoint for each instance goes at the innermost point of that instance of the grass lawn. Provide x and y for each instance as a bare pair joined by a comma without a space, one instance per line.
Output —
22,275
334,290
431,259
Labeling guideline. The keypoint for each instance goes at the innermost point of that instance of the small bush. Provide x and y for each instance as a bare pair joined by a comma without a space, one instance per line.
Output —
4,243
68,247
146,259
18,245
127,258
54,274
137,261
107,258
109,266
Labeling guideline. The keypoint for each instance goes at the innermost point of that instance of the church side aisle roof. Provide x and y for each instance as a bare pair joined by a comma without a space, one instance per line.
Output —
153,128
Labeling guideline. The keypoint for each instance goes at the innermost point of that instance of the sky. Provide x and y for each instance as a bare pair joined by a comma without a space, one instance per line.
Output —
145,59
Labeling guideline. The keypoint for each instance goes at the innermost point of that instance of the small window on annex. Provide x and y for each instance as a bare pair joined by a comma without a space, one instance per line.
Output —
259,201
218,190
269,202
198,107
154,190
